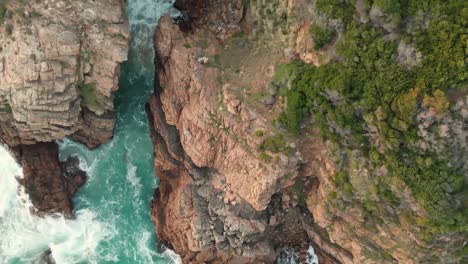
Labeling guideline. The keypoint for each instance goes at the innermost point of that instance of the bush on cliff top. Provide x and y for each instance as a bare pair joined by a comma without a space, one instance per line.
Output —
367,87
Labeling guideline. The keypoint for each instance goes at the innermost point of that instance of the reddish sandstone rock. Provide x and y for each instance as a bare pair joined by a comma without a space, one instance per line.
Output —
214,203
49,184
59,68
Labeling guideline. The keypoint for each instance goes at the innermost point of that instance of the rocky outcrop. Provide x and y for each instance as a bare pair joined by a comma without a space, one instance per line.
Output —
214,203
59,68
222,18
234,188
49,183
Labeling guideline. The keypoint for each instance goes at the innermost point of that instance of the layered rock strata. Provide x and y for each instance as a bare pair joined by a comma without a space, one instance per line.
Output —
234,191
49,183
214,203
59,68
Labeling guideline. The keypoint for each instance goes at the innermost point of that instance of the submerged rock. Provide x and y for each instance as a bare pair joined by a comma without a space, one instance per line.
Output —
73,173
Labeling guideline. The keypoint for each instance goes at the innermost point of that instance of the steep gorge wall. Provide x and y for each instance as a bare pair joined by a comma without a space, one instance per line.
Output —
232,189
215,201
59,68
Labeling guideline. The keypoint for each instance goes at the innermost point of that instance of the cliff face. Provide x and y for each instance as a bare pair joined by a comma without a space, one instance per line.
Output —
59,65
49,183
59,68
234,187
215,201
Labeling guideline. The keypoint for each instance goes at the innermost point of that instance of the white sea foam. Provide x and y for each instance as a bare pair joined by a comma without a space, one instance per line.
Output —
133,178
94,236
169,254
25,236
312,257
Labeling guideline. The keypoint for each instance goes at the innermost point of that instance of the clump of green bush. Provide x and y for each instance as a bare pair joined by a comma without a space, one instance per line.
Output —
88,92
259,133
321,36
275,144
341,179
336,9
265,157
3,10
374,90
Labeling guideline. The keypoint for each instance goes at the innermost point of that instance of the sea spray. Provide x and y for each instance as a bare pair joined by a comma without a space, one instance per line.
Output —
25,236
112,222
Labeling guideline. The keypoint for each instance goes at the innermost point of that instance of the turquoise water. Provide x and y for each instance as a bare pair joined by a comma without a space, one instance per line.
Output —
121,175
113,223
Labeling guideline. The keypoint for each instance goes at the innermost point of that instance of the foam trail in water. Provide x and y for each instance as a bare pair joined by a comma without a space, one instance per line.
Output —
25,236
112,220
133,178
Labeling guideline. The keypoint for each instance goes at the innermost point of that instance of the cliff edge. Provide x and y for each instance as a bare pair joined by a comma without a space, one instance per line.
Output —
59,68
253,159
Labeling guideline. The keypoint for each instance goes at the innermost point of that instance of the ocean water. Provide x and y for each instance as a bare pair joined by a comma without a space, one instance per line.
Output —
112,222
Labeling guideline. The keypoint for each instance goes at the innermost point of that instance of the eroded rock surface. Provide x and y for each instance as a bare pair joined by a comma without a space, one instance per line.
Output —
49,183
59,68
234,191
214,203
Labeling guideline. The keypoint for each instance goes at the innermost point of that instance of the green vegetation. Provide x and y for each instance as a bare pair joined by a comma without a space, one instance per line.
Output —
275,144
300,190
3,10
88,92
259,133
321,36
367,88
341,180
187,46
265,157
336,9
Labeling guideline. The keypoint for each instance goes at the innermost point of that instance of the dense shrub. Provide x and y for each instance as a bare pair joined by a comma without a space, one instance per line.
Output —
367,87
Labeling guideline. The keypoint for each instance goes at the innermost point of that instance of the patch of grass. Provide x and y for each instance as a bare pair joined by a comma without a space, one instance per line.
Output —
88,92
274,144
259,133
265,157
257,96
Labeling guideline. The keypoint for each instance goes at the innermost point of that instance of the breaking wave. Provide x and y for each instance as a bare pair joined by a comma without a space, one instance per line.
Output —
113,223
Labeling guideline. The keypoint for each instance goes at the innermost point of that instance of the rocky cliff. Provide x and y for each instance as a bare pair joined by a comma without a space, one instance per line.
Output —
236,186
59,68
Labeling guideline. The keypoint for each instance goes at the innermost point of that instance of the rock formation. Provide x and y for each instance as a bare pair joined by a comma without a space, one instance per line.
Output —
215,201
234,191
59,68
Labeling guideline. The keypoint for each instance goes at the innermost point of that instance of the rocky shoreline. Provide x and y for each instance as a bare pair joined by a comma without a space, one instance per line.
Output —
59,69
233,187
